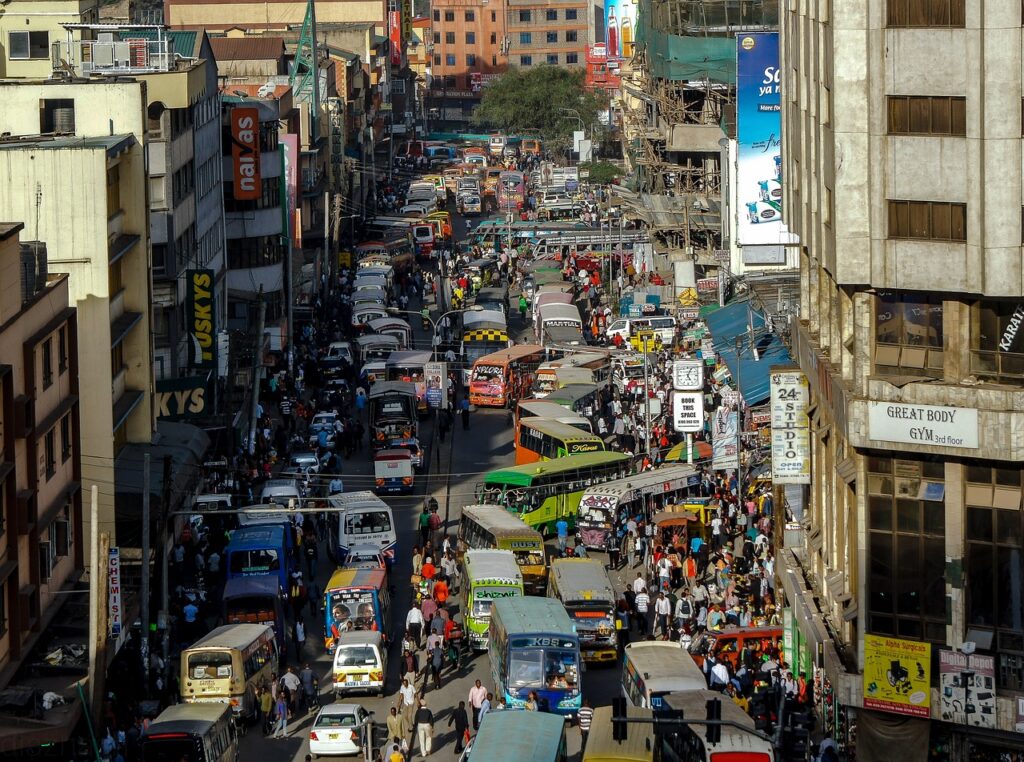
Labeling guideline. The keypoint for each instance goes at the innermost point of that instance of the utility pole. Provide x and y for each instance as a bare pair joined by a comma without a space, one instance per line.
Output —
94,598
101,604
144,603
165,500
257,365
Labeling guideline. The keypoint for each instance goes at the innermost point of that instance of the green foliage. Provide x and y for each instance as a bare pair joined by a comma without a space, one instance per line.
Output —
601,172
527,101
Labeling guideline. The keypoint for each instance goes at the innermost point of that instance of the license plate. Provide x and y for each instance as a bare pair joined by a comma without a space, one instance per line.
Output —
333,736
358,682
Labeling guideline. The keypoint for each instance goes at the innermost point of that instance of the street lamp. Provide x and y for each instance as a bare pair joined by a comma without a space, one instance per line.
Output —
434,323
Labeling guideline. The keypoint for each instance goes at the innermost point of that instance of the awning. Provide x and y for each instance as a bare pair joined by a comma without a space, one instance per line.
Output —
750,374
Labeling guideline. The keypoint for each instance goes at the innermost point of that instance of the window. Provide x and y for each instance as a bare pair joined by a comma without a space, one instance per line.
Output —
525,38
437,15
28,45
570,36
449,38
526,60
570,14
47,363
925,13
494,38
450,81
551,15
449,15
997,341
906,549
494,17
437,38
524,17
65,438
553,59
908,334
927,115
50,447
470,59
571,58
552,37
928,220
437,59
471,38
449,60
45,561
470,16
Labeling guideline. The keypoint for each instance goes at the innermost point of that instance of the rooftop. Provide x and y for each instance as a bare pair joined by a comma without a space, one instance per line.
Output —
251,48
114,144
9,229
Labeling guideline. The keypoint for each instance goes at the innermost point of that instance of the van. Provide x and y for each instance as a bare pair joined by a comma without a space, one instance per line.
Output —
729,642
280,491
664,327
360,663
496,144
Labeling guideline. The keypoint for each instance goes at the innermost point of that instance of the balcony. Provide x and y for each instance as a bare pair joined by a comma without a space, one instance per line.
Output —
116,56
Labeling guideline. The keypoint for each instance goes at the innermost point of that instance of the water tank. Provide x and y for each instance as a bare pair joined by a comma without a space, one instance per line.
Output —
64,120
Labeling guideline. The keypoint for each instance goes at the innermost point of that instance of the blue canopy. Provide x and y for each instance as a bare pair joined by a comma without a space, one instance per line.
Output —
733,320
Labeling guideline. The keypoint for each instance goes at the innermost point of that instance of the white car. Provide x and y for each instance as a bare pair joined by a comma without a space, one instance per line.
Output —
338,731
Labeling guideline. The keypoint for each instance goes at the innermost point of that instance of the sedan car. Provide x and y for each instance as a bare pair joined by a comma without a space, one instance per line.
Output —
413,446
338,731
323,422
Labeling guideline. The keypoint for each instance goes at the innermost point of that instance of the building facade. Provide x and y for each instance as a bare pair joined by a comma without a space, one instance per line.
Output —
903,183
30,28
40,472
553,32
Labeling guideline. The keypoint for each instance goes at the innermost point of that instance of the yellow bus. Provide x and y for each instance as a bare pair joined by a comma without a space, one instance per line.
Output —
541,439
228,665
485,527
601,747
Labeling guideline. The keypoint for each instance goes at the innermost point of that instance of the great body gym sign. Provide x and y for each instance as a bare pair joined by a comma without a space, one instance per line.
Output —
933,425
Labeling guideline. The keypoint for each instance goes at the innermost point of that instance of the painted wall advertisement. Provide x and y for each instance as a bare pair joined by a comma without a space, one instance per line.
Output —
688,411
245,153
200,312
967,688
292,158
791,434
897,676
114,610
758,132
723,439
620,27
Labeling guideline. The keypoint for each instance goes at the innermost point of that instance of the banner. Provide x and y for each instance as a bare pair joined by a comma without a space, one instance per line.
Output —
688,411
201,316
791,433
758,131
436,376
245,153
723,439
395,37
897,676
114,609
967,688
178,398
620,27
292,160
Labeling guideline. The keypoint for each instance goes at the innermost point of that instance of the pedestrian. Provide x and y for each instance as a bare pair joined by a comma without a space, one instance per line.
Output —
585,717
436,662
424,524
464,407
485,706
662,609
408,696
424,728
460,720
282,716
312,553
266,706
641,603
300,639
562,529
398,728
477,697
523,306
310,687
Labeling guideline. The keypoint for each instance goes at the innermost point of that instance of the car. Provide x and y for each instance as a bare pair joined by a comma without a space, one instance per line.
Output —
338,731
413,446
323,422
364,557
302,464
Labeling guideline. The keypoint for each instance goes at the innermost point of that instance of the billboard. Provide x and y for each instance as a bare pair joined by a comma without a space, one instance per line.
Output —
967,688
724,429
436,375
178,398
688,411
406,20
897,675
791,433
202,318
290,146
758,133
395,37
620,27
245,152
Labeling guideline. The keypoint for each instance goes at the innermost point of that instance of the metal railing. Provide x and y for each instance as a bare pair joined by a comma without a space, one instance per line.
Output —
128,56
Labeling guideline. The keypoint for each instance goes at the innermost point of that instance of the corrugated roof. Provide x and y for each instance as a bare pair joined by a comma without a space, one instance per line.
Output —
247,48
732,321
183,42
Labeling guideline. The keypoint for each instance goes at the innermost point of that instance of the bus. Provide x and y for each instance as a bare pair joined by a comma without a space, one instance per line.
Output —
484,332
540,494
356,599
487,576
534,648
582,399
254,551
688,744
597,518
527,409
393,413
540,439
653,668
362,518
558,315
501,378
602,747
549,375
582,586
191,733
511,191
256,600
518,737
409,366
228,665
485,527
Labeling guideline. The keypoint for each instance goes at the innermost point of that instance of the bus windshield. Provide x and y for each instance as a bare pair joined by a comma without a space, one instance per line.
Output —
529,557
367,522
391,407
488,373
477,349
256,561
209,665
552,668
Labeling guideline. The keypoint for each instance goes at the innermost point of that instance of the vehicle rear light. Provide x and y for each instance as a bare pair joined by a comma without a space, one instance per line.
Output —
234,702
355,737
340,678
376,675
406,480
380,436
380,482
312,736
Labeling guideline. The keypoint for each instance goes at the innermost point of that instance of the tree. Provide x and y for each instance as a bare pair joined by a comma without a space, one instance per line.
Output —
602,172
530,101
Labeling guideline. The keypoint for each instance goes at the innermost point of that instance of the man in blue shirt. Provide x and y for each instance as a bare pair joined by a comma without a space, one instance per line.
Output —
562,527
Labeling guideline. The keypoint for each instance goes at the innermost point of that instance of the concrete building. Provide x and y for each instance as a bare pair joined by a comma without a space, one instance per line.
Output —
902,149
40,464
29,28
275,14
553,32
466,42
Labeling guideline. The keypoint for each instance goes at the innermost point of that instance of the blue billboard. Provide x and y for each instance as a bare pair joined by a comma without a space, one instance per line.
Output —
758,139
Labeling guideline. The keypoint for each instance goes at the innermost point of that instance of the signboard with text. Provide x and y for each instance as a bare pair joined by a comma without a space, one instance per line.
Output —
435,375
114,610
724,427
201,315
791,433
245,153
688,411
923,424
967,688
897,676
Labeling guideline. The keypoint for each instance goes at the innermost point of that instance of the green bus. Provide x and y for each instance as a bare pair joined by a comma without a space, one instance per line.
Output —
542,493
488,575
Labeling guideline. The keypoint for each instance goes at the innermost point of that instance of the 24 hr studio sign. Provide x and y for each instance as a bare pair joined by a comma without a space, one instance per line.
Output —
934,425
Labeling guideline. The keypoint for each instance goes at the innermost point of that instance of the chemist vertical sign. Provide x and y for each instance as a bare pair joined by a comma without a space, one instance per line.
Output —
758,138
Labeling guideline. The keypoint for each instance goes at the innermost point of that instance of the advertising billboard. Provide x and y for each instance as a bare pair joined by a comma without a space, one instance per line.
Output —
245,153
395,37
201,316
723,439
967,688
758,134
620,27
290,144
897,676
791,433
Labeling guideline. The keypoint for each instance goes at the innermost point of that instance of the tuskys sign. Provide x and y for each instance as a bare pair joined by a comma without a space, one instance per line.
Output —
935,425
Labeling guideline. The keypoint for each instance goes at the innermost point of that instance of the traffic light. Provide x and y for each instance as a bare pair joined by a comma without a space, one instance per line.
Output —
620,728
713,733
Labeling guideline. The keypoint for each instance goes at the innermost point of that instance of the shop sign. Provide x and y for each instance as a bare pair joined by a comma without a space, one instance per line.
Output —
178,398
897,676
199,307
688,411
923,424
967,688
689,313
687,375
791,434
245,153
760,419
114,610
707,285
722,255
395,37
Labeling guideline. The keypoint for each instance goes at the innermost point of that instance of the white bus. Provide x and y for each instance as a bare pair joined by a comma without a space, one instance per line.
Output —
363,519
654,668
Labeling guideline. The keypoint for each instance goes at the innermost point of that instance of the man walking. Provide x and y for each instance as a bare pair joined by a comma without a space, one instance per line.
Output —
642,603
562,528
281,710
464,407
460,720
662,609
477,697
424,728
586,716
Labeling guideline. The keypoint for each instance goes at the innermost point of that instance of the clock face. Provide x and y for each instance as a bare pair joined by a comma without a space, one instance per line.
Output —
688,376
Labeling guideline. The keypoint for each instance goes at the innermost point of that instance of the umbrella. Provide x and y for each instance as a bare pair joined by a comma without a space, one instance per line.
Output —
670,519
701,451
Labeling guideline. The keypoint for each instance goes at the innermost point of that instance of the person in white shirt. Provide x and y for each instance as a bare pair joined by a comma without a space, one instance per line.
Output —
414,624
642,603
639,584
662,608
719,676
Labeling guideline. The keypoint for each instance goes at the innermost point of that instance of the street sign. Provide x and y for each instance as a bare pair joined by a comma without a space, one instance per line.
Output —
687,411
722,255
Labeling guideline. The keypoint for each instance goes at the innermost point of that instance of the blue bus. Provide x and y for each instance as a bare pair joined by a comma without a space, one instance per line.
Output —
259,550
256,600
507,736
534,647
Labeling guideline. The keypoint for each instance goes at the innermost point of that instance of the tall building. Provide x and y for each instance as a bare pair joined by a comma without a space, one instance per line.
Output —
902,152
553,32
30,28
40,458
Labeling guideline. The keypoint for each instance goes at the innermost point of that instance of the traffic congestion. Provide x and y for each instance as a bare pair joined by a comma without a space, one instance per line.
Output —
475,521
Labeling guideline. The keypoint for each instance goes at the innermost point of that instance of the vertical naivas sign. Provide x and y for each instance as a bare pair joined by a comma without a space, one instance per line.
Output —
202,325
791,436
245,153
